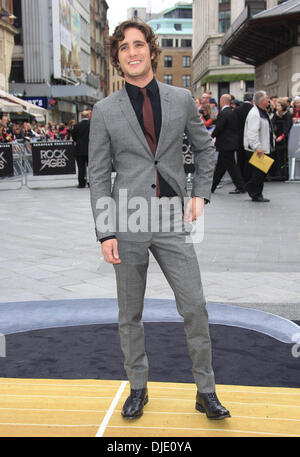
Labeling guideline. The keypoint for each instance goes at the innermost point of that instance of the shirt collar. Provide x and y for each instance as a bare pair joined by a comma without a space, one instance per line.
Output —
134,91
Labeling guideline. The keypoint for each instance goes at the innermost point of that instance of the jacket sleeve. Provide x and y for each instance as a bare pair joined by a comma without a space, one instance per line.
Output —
204,152
252,131
100,168
220,124
74,132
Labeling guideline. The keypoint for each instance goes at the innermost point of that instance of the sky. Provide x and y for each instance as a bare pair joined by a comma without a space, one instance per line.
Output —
117,11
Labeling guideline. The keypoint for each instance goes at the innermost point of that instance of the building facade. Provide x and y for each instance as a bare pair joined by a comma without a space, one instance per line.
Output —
174,29
139,13
54,63
116,82
213,71
271,41
7,33
99,40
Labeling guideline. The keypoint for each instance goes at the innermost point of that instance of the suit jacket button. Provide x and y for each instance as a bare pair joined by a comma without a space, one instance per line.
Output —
153,186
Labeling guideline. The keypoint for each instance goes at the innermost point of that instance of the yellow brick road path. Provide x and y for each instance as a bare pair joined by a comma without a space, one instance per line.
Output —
89,408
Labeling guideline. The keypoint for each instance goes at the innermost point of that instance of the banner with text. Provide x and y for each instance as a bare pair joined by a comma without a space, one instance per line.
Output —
53,158
6,161
188,156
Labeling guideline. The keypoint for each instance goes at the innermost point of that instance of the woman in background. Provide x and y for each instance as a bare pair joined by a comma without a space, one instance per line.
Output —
282,123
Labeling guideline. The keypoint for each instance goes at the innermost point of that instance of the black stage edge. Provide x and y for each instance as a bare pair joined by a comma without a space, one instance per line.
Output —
240,356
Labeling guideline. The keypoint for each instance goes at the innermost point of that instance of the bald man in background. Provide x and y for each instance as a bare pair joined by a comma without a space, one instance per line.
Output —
80,135
227,143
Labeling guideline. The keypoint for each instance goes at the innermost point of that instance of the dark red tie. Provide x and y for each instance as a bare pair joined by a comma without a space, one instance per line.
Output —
149,129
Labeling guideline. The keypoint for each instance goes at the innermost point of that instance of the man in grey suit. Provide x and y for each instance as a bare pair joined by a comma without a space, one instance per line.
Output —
139,131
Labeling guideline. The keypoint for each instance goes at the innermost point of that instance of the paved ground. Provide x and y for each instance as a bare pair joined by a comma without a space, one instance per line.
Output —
250,255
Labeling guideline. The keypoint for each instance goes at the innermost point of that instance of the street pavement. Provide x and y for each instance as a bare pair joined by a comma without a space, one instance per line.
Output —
250,255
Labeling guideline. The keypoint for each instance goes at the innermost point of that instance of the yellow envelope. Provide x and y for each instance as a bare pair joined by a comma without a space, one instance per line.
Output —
263,163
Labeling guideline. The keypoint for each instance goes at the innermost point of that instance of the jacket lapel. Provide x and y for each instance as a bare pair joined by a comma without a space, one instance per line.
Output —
165,115
129,114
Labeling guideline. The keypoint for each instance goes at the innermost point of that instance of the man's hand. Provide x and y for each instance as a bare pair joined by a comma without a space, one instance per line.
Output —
110,252
194,209
260,152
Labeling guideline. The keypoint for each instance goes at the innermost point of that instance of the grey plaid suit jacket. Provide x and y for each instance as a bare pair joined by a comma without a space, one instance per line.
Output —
116,137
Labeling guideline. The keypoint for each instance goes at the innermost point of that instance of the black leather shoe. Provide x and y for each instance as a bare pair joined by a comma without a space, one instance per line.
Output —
260,199
133,406
209,404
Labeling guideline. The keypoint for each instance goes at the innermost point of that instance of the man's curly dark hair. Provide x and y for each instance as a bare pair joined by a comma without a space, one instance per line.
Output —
119,36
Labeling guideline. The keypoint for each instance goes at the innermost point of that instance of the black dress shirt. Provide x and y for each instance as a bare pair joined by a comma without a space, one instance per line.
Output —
136,99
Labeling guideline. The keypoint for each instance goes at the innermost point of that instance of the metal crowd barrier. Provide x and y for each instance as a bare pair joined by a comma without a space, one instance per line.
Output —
27,173
16,181
41,164
294,153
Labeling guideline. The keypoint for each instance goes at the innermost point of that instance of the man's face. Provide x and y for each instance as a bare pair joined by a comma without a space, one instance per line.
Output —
134,56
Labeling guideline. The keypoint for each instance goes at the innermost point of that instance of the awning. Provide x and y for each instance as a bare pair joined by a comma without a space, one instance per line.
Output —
255,40
11,104
9,107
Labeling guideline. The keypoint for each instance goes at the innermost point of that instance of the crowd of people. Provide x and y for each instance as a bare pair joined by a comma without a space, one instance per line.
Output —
227,123
34,131
209,110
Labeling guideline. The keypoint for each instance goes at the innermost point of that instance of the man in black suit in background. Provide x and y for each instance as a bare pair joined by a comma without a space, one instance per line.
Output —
242,113
80,135
227,140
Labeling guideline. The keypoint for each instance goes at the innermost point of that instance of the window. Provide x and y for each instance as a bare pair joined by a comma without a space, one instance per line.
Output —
186,81
84,61
17,8
5,5
182,13
167,43
224,15
168,79
168,60
250,87
178,27
224,60
186,43
17,72
186,61
84,29
223,88
256,6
